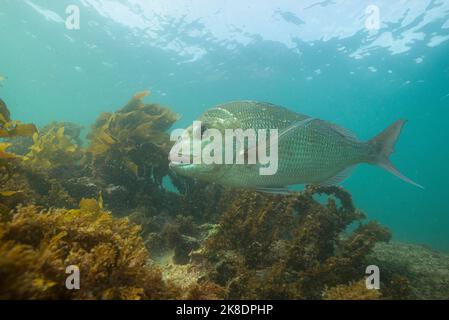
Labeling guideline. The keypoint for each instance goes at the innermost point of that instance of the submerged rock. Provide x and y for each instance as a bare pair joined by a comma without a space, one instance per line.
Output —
426,270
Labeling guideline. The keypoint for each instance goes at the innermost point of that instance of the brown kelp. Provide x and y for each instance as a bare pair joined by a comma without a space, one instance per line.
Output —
206,242
288,247
352,291
128,151
10,193
53,148
36,248
10,128
52,156
36,245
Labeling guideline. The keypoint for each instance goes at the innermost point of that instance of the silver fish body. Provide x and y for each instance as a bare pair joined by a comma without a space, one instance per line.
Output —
313,152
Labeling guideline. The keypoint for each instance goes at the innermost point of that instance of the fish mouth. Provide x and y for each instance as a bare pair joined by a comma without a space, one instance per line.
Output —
175,164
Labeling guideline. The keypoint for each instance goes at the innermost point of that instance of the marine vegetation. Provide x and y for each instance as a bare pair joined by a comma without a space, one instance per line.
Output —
36,247
10,128
8,159
353,291
288,247
34,172
53,148
153,234
128,150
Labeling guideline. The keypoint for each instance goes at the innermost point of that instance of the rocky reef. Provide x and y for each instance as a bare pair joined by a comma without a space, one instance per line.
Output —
424,270
111,206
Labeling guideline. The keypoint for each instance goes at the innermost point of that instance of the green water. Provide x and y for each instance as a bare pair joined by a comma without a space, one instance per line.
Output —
317,58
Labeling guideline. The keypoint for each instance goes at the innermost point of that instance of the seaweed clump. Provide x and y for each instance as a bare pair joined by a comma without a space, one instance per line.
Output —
8,198
52,158
353,291
53,148
128,151
219,243
13,128
36,247
10,195
288,247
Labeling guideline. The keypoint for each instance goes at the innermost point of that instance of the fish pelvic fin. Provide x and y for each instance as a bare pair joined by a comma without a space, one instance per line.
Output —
283,190
383,145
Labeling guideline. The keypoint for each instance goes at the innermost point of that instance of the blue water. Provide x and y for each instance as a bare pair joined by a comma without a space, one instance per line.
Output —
318,58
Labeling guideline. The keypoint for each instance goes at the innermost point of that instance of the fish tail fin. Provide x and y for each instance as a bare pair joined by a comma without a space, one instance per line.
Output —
383,145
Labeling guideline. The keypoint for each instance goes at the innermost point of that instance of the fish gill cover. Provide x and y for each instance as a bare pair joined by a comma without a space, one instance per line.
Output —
87,183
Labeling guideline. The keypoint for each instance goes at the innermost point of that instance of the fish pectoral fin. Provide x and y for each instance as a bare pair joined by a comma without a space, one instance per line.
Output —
338,178
294,126
282,135
274,190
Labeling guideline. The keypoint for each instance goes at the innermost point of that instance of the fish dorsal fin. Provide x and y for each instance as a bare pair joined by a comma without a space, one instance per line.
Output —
274,190
338,178
348,134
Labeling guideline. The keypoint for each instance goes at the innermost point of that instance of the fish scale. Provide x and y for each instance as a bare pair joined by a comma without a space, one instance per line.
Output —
312,154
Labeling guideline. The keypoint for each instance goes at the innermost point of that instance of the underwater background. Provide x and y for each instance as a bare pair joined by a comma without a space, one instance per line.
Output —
319,58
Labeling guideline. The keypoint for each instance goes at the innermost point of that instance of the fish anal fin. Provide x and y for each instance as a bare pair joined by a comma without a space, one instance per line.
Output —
338,178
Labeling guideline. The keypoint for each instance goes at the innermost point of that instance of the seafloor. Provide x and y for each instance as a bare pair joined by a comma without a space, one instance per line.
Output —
104,206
